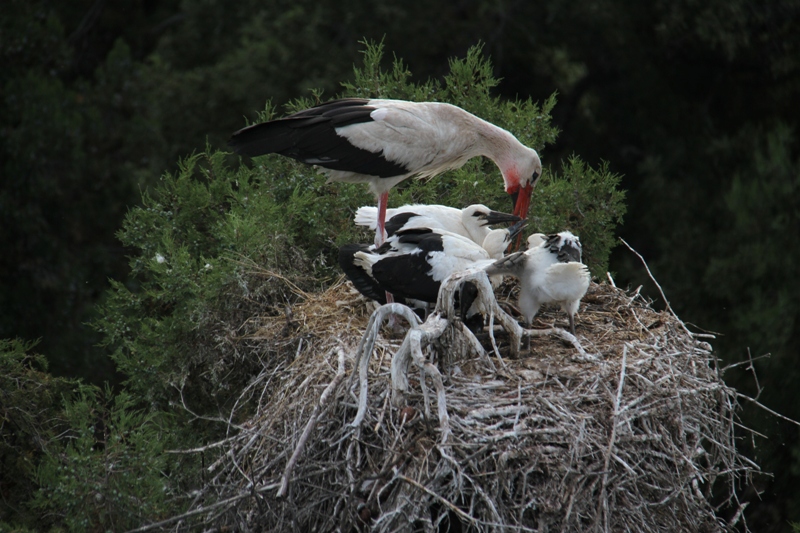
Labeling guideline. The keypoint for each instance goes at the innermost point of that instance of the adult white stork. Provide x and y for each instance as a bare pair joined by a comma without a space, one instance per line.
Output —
473,222
382,142
413,263
549,273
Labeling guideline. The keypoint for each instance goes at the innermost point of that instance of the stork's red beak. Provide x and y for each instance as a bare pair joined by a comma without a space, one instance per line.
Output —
522,202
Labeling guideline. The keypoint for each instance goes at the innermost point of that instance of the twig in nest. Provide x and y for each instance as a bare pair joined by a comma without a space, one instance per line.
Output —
257,269
610,450
290,323
323,401
411,350
454,508
751,368
365,348
749,362
485,303
767,409
565,336
494,343
736,517
660,290
201,510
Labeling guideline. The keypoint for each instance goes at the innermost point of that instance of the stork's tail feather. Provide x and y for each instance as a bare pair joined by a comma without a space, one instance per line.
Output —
260,139
351,261
366,216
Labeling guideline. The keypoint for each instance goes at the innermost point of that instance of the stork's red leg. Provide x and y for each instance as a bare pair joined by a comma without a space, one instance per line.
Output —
380,231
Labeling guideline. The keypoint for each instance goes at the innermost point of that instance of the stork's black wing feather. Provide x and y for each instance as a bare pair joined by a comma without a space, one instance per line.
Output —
408,275
467,296
416,236
396,223
310,136
362,281
333,108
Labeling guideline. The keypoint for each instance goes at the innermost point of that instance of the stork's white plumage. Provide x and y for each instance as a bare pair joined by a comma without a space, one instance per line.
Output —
549,273
412,263
383,142
473,222
564,284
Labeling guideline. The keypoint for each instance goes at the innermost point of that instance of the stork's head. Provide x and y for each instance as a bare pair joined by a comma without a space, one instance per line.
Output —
566,245
521,178
498,240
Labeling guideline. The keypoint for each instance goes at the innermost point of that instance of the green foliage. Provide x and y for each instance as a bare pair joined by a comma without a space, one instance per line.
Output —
585,200
72,458
109,471
198,238
30,412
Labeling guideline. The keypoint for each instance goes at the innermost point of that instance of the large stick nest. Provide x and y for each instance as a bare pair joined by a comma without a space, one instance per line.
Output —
629,428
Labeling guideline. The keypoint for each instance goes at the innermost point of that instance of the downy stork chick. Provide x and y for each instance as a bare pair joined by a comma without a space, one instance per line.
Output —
383,142
548,273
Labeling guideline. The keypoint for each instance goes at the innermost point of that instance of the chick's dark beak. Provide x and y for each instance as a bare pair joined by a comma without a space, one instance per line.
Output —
517,228
496,217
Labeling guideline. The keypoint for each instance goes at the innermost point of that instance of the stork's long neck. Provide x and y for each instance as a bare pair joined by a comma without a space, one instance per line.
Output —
501,146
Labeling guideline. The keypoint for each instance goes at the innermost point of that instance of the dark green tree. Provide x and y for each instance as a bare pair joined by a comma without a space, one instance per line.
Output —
76,149
75,457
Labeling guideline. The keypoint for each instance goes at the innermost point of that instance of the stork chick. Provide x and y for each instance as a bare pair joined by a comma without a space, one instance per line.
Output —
473,222
548,273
